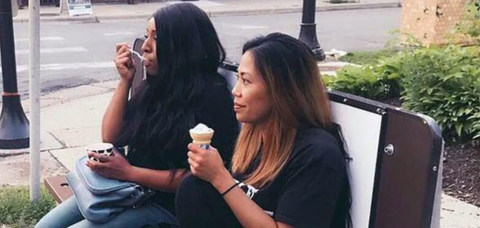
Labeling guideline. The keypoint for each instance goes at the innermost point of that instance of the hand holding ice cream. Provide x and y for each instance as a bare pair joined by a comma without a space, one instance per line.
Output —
207,165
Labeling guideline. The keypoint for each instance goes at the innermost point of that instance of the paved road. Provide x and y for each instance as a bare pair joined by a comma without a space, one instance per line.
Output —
77,53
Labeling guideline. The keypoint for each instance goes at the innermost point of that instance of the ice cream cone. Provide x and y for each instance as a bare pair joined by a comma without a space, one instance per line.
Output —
201,135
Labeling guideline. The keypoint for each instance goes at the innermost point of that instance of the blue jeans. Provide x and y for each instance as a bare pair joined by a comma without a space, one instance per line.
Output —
67,214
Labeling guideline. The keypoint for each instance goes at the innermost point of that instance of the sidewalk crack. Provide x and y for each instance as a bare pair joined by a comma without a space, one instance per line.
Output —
58,161
64,145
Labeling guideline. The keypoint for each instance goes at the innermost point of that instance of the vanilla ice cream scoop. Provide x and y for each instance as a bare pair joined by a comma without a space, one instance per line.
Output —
202,135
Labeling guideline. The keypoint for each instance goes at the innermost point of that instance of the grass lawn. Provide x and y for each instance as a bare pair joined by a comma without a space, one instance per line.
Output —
16,210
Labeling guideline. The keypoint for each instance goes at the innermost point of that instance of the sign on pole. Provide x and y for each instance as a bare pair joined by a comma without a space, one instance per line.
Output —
14,8
79,7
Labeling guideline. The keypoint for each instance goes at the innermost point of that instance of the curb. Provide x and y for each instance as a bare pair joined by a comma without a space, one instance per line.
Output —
322,8
357,6
62,18
218,13
10,153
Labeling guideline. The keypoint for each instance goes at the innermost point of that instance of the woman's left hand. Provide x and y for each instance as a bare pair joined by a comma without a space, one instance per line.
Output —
113,167
207,164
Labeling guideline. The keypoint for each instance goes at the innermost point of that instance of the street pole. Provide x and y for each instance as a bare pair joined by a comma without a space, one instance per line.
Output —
308,33
34,75
13,122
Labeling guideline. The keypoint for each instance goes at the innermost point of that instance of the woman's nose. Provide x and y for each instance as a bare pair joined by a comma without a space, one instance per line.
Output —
146,47
236,90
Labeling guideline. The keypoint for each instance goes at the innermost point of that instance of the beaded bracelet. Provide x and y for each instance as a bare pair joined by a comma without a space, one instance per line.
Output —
229,189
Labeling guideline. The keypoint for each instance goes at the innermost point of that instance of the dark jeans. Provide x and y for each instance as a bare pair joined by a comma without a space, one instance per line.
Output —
199,205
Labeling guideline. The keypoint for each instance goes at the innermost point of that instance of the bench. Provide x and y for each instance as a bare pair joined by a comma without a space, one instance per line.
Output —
395,172
58,187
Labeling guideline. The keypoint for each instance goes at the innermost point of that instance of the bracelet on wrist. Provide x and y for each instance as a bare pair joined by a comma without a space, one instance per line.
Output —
229,189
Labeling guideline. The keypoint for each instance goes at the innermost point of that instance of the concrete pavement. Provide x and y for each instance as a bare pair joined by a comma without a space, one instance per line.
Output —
212,7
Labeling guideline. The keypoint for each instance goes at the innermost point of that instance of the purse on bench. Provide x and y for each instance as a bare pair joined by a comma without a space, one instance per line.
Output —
100,199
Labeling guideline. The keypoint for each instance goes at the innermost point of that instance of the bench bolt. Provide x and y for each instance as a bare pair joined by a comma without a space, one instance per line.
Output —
389,149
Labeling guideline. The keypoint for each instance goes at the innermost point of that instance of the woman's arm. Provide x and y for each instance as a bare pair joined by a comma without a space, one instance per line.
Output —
208,166
158,179
113,117
117,167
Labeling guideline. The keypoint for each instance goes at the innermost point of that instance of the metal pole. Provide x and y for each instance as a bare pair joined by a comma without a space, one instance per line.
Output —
308,33
63,7
13,122
9,70
34,75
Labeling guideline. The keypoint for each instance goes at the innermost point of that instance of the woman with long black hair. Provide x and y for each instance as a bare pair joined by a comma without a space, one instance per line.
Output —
181,55
289,164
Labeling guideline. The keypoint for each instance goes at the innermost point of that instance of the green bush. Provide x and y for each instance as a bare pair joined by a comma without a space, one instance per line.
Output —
362,81
379,81
16,210
476,128
444,83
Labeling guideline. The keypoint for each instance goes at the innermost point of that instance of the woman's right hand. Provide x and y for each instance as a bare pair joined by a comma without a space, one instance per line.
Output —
208,165
124,62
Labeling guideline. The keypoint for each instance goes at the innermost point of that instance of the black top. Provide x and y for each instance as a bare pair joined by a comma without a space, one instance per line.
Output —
311,189
214,110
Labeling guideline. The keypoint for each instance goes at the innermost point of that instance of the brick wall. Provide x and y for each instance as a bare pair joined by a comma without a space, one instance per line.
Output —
430,20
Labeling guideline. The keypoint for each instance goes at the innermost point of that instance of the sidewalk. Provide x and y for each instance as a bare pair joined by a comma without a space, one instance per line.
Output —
212,7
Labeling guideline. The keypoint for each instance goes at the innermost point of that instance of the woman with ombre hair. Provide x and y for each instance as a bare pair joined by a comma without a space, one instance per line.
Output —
289,163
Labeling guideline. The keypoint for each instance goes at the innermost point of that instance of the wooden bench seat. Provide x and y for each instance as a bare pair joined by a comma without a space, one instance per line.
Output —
58,187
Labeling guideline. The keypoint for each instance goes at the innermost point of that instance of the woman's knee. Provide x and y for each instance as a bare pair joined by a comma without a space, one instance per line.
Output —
192,193
199,204
50,220
193,186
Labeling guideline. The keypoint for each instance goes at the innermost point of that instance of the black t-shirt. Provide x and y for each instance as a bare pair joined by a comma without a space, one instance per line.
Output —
214,110
311,189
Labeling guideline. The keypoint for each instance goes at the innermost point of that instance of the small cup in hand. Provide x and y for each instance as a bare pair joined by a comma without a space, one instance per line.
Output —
100,148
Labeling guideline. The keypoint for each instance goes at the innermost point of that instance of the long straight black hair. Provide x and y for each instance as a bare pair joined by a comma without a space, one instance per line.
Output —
188,54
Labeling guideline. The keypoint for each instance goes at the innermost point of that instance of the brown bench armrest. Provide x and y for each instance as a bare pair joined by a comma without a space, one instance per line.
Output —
58,187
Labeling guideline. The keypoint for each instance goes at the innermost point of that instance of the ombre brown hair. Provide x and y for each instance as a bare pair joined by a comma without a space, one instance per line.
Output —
298,98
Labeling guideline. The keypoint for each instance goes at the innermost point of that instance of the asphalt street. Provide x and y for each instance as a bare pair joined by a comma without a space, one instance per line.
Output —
75,54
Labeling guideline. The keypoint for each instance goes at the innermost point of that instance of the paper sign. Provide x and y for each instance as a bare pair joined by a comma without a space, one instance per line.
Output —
14,8
79,7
